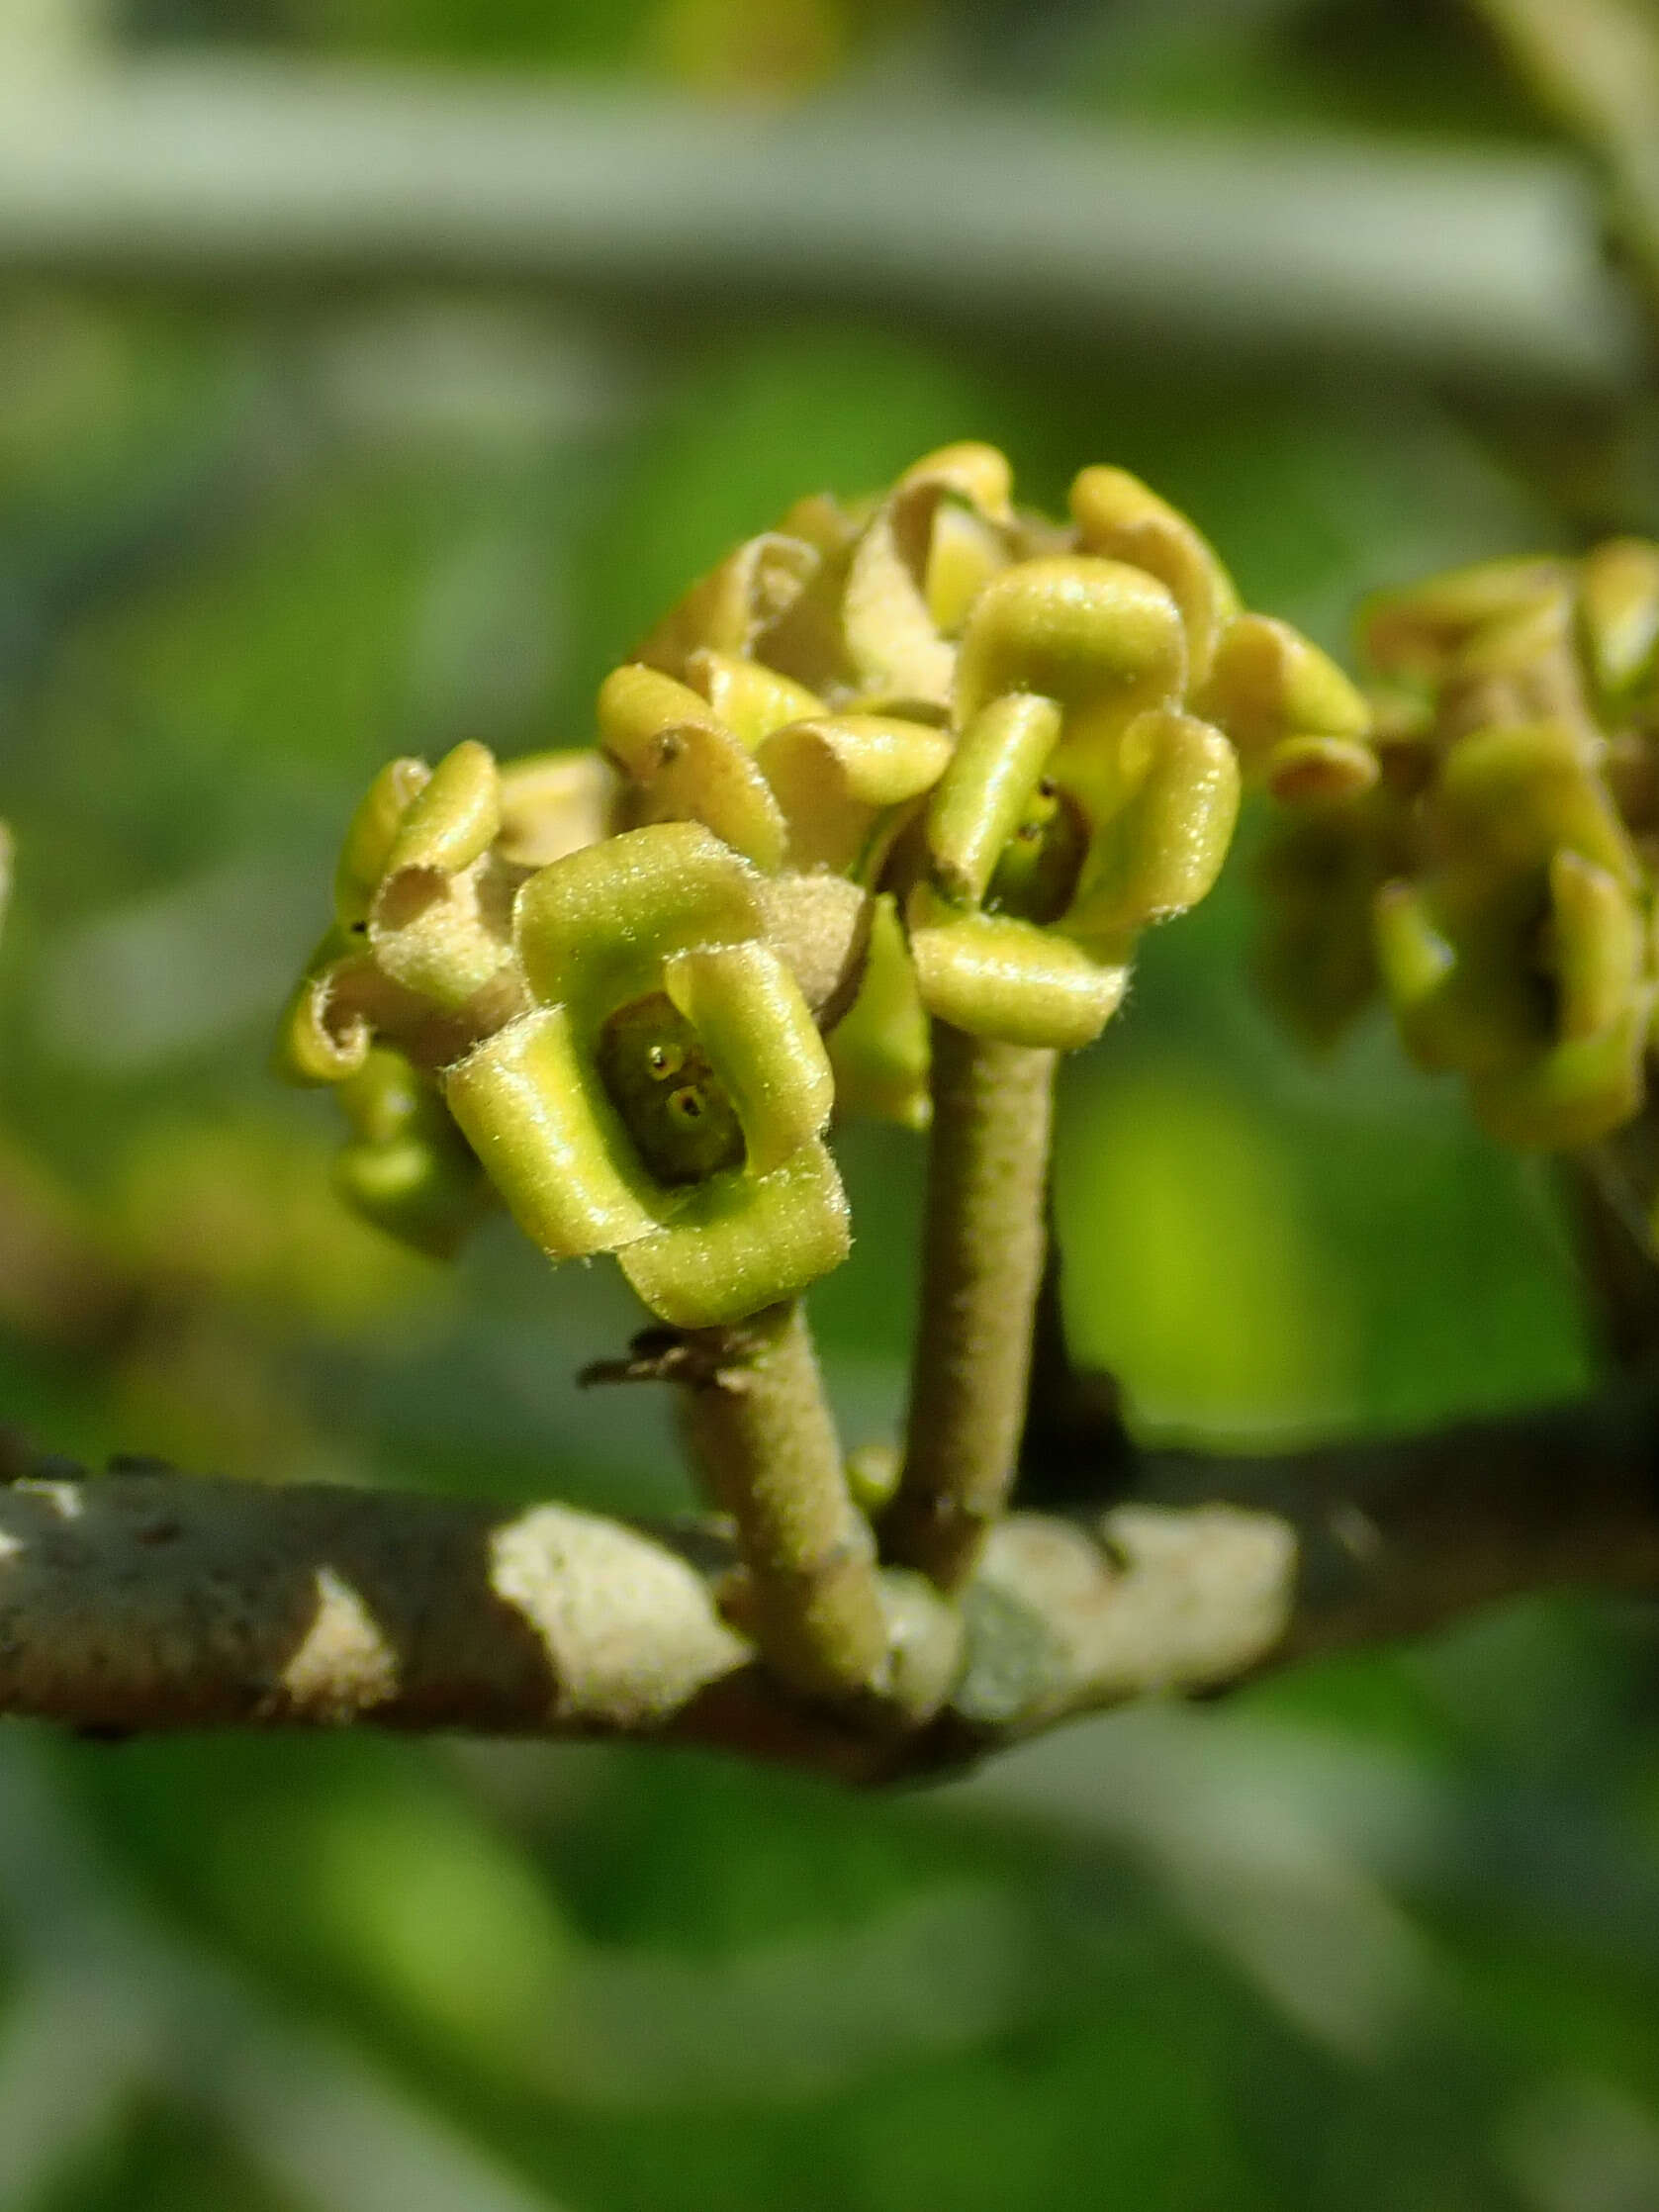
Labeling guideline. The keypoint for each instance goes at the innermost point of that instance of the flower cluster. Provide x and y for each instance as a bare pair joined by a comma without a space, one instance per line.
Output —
931,756
1497,881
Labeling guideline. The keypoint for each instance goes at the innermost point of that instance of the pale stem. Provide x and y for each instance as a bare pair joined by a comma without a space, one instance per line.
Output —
983,1265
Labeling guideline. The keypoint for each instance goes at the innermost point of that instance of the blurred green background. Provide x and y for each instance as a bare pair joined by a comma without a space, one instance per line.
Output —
1379,1936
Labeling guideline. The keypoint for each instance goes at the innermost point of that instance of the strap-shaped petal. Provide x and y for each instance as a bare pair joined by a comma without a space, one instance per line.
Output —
531,1104
593,929
1269,682
698,773
1119,516
762,1044
837,778
997,976
986,789
1596,946
636,703
973,471
740,1242
453,818
1103,639
1162,849
818,925
751,700
684,764
370,835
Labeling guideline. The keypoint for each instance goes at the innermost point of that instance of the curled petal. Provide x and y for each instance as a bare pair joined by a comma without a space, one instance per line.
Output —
1507,797
447,938
316,1042
975,472
636,703
407,1167
554,804
1161,850
751,700
740,1242
994,975
531,1104
698,773
892,643
453,818
762,1044
1270,683
1571,1094
1414,633
732,608
684,764
1596,946
986,789
594,928
964,552
1618,607
1119,516
370,835
838,778
1103,639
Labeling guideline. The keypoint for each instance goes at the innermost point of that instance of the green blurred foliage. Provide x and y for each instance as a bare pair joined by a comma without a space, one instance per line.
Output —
1376,1936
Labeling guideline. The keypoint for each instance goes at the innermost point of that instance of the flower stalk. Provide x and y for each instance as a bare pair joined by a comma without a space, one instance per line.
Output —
762,1433
983,1267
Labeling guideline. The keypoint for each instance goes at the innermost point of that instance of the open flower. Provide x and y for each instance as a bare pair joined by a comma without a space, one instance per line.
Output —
863,605
1517,956
1081,802
420,964
665,1095
816,801
421,952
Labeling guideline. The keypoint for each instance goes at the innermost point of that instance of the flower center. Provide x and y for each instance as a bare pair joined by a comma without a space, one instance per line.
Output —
657,1076
1035,876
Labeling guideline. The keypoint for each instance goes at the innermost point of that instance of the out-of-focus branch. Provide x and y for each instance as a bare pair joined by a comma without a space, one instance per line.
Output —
211,170
142,1601
1595,64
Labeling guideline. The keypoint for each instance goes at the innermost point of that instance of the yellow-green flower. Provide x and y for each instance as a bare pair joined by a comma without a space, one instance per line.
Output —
421,956
814,799
861,606
665,1095
1080,802
1517,954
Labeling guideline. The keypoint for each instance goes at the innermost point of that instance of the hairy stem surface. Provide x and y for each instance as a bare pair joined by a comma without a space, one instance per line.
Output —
762,1430
983,1265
